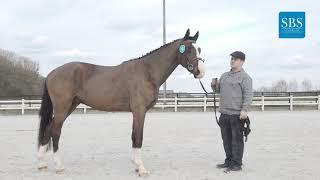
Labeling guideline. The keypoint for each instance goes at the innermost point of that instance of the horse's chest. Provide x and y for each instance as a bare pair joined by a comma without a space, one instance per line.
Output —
152,103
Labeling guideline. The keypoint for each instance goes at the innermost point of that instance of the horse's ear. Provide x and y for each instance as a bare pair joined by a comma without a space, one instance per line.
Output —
195,37
187,35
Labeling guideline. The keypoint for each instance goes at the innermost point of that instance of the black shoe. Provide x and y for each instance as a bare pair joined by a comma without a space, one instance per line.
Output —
233,168
224,165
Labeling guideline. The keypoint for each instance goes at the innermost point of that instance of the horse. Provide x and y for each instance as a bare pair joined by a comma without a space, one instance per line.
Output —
131,86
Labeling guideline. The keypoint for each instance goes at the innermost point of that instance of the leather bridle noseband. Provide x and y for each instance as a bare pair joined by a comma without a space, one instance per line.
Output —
182,50
190,65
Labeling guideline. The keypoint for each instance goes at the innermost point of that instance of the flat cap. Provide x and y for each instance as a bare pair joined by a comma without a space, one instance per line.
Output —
238,54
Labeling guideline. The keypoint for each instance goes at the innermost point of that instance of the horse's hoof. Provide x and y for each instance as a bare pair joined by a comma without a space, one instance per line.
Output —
59,171
144,173
136,166
42,166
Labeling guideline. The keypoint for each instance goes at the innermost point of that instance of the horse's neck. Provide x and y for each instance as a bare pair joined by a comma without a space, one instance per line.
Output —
162,63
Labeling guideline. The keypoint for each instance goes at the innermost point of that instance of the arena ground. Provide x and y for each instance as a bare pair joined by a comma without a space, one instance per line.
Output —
183,145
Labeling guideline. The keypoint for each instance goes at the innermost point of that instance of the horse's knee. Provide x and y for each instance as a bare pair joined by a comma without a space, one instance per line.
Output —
137,128
137,144
137,138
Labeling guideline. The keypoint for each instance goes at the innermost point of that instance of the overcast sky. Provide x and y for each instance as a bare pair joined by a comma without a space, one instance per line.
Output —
109,32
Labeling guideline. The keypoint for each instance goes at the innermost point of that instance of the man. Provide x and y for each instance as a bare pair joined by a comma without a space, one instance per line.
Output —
235,88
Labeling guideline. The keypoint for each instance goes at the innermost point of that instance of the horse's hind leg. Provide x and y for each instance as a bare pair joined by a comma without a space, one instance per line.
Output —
74,105
60,115
53,131
56,132
43,146
62,111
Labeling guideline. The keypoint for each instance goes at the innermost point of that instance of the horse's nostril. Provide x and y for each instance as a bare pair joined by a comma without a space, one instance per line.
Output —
198,72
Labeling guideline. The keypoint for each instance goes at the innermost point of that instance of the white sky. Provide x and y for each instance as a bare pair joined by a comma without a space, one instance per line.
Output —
109,32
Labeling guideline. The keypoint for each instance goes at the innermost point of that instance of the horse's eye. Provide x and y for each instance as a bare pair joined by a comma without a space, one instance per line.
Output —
199,49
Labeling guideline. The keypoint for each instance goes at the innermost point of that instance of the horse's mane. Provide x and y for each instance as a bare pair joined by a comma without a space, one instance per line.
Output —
165,45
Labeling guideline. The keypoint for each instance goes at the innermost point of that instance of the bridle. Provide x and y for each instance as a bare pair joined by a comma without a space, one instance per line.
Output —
182,49
190,65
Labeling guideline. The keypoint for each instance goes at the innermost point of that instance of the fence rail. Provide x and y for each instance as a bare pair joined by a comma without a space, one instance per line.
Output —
176,102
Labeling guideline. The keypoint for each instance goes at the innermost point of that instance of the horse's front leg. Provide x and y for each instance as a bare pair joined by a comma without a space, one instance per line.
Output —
137,137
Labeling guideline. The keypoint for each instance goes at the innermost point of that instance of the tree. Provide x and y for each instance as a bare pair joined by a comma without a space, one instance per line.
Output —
264,89
306,85
293,85
280,86
19,75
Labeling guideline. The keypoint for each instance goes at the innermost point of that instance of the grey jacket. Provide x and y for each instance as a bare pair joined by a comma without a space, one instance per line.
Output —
235,90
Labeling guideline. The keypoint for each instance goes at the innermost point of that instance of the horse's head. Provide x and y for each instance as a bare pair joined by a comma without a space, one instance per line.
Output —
189,55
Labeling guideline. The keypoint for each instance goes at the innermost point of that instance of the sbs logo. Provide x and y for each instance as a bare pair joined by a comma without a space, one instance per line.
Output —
291,24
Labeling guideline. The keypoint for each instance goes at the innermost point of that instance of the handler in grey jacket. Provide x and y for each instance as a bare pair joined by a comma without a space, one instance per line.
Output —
235,88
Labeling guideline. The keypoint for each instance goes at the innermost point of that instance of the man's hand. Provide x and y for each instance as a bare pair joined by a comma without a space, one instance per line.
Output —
214,84
243,115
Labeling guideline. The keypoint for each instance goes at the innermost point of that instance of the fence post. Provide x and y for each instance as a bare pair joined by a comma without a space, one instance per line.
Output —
291,102
22,106
163,103
205,104
175,104
318,102
262,106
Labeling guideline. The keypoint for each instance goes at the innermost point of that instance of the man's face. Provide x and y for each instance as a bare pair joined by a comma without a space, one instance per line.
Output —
236,63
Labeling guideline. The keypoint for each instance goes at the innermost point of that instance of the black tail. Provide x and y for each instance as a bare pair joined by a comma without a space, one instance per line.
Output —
45,113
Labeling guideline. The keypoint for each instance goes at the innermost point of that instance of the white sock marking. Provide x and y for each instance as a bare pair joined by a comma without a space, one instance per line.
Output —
58,163
41,154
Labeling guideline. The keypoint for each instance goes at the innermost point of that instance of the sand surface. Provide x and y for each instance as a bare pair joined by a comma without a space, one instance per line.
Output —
184,145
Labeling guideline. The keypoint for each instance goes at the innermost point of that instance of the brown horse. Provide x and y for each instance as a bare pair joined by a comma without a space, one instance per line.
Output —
131,86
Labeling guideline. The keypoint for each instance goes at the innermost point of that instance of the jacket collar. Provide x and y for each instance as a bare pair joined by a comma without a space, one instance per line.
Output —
231,72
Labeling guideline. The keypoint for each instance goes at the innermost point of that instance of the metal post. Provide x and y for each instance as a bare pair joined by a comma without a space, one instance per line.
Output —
262,106
164,42
175,104
162,105
22,106
291,102
318,102
205,104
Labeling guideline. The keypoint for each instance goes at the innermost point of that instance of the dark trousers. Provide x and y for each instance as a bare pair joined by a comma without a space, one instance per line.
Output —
232,136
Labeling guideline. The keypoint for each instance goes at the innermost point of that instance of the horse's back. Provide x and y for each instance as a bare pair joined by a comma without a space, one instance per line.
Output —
106,88
73,71
101,87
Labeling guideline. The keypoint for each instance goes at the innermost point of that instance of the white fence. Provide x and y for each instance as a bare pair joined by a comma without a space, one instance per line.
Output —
186,102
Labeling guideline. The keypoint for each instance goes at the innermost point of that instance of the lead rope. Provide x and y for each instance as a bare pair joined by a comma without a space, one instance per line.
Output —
214,101
247,129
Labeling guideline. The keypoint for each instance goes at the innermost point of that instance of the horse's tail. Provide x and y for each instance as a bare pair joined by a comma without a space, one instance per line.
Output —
45,113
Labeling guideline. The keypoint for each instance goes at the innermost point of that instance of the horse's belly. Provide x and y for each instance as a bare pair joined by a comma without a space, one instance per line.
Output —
107,102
